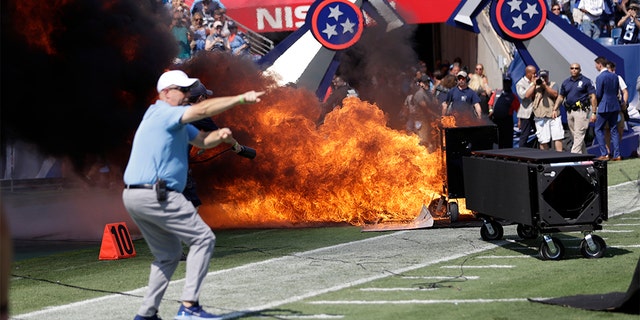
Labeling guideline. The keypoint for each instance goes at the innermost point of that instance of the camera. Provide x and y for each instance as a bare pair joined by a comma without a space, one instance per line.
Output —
208,21
538,81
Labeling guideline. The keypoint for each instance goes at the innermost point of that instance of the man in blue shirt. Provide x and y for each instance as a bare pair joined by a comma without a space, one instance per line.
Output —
630,25
607,87
154,179
461,99
579,97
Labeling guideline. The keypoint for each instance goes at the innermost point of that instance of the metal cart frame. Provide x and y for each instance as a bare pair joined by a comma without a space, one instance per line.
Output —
543,191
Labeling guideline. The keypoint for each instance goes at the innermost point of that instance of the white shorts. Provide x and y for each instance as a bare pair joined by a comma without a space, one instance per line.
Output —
548,129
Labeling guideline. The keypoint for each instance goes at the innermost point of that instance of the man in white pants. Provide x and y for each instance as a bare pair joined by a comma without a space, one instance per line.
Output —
547,120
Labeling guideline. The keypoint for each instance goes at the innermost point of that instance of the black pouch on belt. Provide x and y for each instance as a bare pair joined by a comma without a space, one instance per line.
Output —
161,190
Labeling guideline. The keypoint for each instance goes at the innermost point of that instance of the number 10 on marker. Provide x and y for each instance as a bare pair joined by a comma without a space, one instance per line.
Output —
116,242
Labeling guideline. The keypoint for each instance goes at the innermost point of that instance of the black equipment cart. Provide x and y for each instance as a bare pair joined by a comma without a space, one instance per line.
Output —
457,142
543,192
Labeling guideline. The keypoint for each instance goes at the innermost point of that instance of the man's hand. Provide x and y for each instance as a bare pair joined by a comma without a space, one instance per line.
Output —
250,97
224,134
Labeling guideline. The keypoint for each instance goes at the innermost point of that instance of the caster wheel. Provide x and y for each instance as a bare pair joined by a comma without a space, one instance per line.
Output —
547,254
526,232
489,235
454,213
597,251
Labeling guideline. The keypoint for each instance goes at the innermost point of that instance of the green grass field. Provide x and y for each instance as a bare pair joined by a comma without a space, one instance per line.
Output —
492,284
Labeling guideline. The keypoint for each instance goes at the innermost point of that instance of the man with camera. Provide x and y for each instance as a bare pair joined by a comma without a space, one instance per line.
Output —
578,95
525,88
154,179
546,118
216,41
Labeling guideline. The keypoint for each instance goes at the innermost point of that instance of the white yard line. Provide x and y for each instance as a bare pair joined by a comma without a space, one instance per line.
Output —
504,257
418,301
396,289
492,266
626,246
442,278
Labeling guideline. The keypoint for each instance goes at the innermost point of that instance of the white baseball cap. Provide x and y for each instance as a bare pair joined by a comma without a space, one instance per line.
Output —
175,78
462,73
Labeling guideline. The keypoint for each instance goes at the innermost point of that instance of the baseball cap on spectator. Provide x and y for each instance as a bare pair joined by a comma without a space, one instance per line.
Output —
462,73
544,74
634,5
424,79
231,24
174,78
217,24
199,90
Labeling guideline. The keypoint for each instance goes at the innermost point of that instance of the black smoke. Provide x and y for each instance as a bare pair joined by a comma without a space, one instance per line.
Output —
77,75
379,67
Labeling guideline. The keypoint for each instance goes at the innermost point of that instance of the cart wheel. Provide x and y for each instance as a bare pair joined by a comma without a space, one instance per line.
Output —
599,247
495,234
526,232
547,254
454,213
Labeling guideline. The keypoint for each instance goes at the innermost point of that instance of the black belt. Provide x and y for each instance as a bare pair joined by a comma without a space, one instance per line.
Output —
142,186
575,108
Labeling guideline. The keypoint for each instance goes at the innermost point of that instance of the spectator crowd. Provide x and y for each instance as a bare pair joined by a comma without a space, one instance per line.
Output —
529,107
205,27
616,19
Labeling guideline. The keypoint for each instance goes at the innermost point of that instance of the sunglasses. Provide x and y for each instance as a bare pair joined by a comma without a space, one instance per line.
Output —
462,78
634,9
574,68
556,9
181,89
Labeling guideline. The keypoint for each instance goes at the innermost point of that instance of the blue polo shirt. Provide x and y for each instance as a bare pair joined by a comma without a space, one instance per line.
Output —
462,99
159,147
578,89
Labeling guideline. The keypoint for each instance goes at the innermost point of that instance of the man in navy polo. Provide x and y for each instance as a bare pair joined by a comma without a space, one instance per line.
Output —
579,97
461,99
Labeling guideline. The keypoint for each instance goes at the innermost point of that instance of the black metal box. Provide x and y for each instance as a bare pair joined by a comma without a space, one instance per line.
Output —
458,142
540,188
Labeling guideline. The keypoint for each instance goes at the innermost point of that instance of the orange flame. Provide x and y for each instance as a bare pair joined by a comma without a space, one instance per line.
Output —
448,121
352,169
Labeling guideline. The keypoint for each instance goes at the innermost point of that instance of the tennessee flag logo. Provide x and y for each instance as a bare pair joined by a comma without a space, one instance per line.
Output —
336,24
520,19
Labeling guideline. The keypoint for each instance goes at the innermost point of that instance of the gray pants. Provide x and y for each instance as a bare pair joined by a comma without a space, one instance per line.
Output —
165,225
